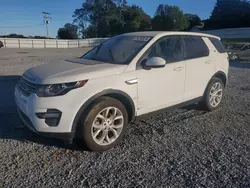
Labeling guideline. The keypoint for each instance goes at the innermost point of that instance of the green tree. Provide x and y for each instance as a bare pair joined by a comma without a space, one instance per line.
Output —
90,32
230,14
69,31
105,18
100,14
169,18
135,19
13,35
194,20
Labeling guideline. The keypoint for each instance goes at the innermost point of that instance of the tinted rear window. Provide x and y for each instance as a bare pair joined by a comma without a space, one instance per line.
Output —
218,45
195,47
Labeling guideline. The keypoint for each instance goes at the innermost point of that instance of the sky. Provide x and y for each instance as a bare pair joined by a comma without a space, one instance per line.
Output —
28,13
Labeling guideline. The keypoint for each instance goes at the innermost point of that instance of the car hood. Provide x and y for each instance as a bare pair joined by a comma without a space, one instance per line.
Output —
71,70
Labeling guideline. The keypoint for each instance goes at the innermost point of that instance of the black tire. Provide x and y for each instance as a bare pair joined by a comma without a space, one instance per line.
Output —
234,57
86,122
205,101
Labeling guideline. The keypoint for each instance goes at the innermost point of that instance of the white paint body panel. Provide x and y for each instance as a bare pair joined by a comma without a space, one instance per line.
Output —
198,73
160,87
150,90
70,103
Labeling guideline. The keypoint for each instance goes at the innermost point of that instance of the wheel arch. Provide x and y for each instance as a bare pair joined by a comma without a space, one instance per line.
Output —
123,97
221,75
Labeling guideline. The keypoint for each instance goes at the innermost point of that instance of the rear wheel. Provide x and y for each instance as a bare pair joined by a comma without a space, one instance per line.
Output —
104,126
213,94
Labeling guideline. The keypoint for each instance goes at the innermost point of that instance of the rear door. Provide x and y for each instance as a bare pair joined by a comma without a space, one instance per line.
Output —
199,66
218,54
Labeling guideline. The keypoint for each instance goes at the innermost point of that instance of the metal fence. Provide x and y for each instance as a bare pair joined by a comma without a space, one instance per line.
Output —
50,43
54,43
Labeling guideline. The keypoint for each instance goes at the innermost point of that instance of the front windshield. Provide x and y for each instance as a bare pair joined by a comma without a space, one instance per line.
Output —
118,50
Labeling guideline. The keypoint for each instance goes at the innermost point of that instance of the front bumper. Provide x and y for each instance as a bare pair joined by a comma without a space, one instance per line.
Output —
62,136
29,107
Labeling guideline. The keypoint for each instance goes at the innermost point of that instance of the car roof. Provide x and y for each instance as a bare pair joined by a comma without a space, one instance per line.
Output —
163,33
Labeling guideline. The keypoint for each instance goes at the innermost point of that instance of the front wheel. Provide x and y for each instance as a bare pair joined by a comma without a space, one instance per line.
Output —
213,95
234,57
104,126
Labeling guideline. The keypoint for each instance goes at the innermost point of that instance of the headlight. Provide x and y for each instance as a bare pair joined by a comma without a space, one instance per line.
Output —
58,89
229,53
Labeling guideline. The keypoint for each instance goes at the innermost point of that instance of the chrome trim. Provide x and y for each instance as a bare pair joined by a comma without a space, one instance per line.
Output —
132,81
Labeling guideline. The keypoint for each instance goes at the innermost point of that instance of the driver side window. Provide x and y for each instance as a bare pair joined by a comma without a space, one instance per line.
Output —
169,48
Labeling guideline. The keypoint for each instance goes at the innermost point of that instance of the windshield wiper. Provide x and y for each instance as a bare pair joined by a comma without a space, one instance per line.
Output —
111,55
98,48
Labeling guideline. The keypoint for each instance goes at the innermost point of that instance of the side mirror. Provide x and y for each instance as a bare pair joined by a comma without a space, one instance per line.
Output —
155,62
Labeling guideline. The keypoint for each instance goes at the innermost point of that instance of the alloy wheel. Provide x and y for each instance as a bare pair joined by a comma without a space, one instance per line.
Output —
216,94
107,126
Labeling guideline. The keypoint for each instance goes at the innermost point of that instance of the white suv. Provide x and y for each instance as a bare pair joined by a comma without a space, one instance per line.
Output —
93,98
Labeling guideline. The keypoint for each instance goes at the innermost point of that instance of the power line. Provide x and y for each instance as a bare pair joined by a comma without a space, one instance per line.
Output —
22,26
47,21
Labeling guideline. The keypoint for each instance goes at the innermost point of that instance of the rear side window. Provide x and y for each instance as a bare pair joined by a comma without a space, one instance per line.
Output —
195,47
218,45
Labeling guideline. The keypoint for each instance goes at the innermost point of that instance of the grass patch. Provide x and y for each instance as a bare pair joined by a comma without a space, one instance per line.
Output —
237,40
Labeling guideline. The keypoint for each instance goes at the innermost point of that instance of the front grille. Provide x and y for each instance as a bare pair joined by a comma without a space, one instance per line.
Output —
26,87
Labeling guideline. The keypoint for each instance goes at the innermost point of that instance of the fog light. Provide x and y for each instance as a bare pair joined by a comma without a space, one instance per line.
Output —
51,116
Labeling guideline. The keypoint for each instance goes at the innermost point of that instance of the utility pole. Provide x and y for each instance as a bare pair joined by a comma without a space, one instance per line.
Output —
47,21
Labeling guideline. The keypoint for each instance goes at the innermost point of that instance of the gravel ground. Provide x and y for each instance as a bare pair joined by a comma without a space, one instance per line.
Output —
183,148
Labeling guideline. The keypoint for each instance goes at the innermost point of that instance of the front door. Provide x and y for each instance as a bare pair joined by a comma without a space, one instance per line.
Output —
159,88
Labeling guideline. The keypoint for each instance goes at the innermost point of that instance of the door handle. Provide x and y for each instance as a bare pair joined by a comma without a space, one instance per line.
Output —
207,62
178,69
132,81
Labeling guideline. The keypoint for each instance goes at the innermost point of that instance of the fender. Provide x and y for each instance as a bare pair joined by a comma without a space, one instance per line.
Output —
218,75
106,92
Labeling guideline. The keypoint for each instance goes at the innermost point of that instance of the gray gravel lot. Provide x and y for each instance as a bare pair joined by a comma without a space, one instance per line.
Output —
183,148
